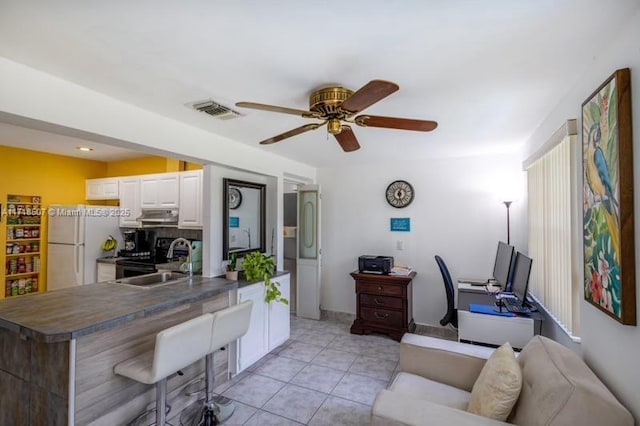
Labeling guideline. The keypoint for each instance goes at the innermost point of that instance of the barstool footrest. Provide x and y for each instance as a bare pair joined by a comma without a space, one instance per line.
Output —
142,418
201,413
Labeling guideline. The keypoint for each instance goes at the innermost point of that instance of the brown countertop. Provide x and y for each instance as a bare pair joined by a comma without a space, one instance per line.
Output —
70,313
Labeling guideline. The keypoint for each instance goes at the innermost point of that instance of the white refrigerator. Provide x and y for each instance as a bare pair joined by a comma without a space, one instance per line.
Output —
75,237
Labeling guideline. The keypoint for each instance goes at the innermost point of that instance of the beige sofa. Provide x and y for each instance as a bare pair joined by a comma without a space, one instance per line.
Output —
436,377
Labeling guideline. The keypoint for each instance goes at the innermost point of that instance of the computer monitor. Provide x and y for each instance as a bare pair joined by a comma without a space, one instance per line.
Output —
521,272
502,266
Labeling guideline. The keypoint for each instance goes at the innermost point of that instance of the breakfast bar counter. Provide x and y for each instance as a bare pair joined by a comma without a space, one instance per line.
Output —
58,349
74,312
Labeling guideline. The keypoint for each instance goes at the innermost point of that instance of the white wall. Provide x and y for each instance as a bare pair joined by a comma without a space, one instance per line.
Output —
610,349
456,213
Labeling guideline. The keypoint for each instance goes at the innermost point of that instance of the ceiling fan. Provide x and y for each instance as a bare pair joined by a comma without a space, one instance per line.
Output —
335,105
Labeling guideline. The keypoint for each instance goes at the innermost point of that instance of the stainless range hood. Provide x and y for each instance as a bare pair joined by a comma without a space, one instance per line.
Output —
155,218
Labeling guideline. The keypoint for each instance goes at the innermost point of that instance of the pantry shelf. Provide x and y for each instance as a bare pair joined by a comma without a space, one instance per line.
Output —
24,274
23,237
24,254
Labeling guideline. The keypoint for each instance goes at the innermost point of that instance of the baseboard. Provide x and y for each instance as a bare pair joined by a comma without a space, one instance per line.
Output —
342,317
441,332
422,329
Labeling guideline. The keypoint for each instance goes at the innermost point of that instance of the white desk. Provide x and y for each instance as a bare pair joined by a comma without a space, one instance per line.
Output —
494,330
490,329
477,288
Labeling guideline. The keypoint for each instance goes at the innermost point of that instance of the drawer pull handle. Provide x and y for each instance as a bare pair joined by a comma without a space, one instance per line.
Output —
379,288
381,316
378,302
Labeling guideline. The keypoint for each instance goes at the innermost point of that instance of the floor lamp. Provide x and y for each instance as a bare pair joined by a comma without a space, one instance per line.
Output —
507,205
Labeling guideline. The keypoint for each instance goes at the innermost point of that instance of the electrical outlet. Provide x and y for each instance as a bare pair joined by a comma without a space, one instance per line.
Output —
400,245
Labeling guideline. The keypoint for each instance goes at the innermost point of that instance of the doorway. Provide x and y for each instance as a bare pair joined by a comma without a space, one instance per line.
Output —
290,227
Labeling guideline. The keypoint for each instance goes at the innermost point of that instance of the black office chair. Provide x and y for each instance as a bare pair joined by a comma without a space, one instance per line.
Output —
451,317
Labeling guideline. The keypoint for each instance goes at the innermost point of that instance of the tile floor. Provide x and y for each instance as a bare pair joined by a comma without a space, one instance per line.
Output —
322,376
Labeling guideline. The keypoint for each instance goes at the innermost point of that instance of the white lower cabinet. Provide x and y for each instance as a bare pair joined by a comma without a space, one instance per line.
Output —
269,327
106,272
279,316
255,344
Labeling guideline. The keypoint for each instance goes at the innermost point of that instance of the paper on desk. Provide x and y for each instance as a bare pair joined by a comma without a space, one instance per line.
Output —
400,270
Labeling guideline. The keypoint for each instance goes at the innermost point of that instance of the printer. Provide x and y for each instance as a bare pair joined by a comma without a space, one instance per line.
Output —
368,264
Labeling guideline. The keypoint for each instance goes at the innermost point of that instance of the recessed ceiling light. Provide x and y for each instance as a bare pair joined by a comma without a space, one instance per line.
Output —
84,148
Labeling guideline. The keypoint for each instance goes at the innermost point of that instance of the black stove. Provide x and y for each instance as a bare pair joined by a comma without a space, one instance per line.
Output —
140,263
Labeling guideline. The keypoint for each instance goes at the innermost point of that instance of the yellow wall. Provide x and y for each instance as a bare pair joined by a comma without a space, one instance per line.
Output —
61,180
136,166
56,179
148,165
193,166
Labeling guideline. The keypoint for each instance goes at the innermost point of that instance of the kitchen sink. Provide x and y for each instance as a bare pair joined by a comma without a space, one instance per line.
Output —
153,280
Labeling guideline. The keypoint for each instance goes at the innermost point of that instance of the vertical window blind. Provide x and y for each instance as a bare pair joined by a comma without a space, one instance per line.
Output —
549,180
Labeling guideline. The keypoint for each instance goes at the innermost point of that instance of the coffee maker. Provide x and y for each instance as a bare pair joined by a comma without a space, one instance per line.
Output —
137,242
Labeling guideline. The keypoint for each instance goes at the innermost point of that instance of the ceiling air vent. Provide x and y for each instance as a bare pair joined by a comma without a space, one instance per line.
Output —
216,110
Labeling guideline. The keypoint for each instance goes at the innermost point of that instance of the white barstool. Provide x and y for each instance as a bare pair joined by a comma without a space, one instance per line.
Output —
176,348
228,325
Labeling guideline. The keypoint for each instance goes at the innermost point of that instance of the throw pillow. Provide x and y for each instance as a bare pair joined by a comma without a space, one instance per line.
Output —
498,386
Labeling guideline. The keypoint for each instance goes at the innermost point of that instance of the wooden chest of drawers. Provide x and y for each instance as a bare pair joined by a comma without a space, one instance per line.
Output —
385,304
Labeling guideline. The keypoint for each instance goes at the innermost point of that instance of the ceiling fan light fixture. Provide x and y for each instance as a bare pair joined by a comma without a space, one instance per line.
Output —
335,104
334,126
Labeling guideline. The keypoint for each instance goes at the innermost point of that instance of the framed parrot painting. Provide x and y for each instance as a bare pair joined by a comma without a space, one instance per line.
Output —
607,173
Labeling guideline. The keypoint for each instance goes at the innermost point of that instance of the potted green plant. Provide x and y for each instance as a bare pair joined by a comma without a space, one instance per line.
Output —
260,267
231,270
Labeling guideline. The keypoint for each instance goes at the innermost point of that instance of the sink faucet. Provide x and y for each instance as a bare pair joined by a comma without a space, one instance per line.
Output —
189,258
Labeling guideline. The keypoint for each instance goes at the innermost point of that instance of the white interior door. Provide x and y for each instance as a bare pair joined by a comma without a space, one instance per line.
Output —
309,252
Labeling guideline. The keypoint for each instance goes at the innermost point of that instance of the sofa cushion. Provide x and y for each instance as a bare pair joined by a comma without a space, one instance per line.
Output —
394,409
497,389
559,389
425,389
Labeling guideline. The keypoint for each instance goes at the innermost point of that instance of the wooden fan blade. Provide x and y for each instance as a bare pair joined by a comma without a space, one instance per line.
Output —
274,108
347,139
291,133
395,123
369,94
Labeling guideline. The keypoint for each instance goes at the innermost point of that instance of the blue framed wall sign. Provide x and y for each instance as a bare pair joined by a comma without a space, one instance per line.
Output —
400,224
234,222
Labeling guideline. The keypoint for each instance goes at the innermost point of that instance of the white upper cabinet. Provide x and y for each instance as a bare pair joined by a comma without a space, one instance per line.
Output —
102,189
180,190
190,199
130,201
160,191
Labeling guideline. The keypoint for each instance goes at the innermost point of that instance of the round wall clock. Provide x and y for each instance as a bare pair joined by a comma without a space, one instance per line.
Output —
400,194
235,198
